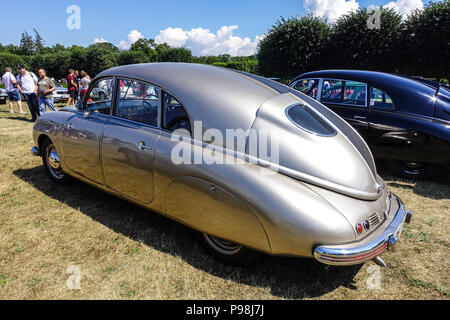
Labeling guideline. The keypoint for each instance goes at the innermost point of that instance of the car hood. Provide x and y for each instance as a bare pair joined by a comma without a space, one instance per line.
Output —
340,162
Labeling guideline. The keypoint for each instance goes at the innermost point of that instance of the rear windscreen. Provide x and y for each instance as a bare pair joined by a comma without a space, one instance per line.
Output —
305,118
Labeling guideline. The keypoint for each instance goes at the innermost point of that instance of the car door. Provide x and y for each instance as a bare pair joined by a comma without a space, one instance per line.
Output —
129,140
349,100
81,134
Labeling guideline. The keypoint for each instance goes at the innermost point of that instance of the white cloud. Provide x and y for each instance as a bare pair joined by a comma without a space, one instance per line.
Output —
133,36
404,7
203,42
99,40
330,9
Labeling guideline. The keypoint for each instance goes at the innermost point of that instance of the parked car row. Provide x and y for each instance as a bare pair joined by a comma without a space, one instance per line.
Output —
61,94
323,198
405,121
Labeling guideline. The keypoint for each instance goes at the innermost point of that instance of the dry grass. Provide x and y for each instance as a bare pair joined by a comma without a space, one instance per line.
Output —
125,252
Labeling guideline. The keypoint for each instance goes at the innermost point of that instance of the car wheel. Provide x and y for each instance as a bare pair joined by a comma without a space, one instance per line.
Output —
412,170
227,252
52,164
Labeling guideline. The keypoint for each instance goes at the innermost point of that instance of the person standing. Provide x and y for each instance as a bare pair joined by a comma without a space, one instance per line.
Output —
46,87
28,87
84,83
10,83
72,87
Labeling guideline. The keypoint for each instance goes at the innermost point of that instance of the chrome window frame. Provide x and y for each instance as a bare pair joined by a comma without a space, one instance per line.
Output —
117,97
319,85
380,109
366,106
86,96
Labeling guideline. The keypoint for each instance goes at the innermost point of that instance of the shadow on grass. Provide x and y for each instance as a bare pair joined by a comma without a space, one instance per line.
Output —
289,278
435,188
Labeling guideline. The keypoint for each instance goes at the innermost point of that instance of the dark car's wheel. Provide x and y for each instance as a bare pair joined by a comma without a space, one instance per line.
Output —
52,164
227,252
412,170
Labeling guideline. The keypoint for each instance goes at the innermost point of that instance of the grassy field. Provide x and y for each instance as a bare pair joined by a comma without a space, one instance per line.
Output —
126,252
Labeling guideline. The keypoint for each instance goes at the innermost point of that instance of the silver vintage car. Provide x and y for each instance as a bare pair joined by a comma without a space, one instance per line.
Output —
192,143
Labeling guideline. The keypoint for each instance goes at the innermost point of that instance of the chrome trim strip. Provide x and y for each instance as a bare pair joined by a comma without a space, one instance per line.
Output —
345,255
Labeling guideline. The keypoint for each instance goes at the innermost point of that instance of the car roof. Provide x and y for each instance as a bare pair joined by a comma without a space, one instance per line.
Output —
221,98
408,94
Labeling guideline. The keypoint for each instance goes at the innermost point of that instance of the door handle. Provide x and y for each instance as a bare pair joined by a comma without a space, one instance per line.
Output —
359,118
143,147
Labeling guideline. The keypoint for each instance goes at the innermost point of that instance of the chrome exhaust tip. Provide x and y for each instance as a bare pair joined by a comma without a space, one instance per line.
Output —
409,215
380,262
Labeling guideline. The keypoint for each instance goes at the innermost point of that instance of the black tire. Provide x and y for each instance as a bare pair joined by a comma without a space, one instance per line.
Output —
52,165
412,171
227,252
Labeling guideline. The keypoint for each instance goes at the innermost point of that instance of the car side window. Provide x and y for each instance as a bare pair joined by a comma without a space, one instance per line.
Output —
355,93
174,116
380,100
309,87
332,91
138,101
99,100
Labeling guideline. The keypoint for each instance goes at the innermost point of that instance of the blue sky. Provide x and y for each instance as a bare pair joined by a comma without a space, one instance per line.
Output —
114,21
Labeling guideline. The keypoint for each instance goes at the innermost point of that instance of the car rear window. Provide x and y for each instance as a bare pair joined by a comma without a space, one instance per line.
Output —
308,120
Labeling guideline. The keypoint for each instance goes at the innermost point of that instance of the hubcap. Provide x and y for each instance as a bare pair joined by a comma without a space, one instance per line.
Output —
53,163
221,245
413,167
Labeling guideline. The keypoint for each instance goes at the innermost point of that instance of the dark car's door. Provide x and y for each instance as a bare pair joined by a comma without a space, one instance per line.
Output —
81,134
394,135
129,140
349,100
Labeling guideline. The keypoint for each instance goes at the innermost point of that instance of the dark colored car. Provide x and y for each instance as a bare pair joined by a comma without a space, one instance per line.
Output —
404,120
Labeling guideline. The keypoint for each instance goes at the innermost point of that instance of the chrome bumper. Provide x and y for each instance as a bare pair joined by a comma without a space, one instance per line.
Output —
361,251
35,152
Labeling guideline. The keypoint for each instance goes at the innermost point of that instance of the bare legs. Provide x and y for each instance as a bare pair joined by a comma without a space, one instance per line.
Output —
11,106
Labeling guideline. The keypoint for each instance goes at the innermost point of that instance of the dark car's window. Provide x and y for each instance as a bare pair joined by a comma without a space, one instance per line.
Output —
99,100
305,118
380,100
355,93
307,86
138,101
332,91
174,116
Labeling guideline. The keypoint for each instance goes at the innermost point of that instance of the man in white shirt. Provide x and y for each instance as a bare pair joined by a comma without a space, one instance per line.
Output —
28,87
10,83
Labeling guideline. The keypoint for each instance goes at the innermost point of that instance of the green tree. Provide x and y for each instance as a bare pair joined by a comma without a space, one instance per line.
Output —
131,57
146,46
293,46
176,55
8,59
354,45
425,43
26,44
38,42
98,59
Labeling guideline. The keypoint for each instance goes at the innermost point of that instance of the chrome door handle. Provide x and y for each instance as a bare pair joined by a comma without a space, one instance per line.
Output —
143,147
359,118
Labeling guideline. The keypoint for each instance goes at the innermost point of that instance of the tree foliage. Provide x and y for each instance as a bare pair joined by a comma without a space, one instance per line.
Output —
425,41
293,46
